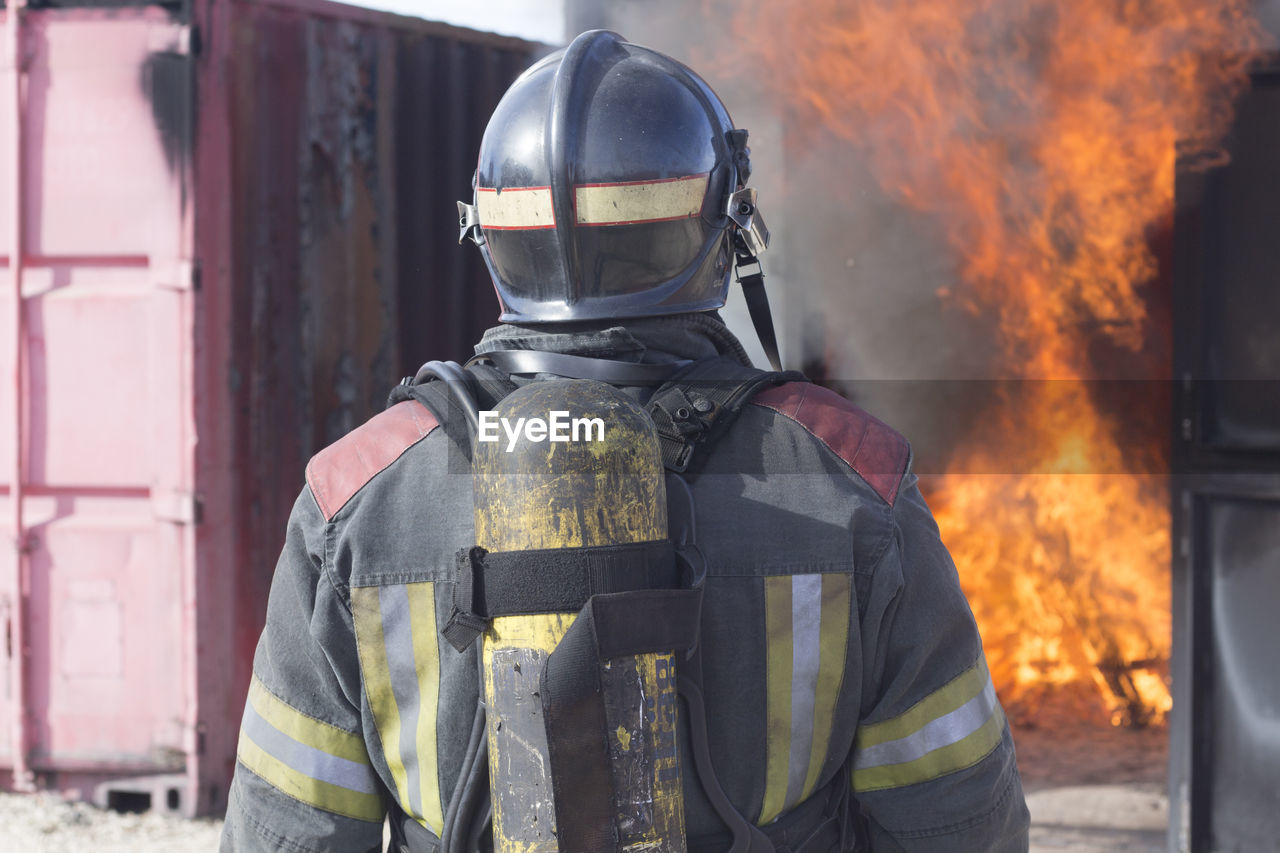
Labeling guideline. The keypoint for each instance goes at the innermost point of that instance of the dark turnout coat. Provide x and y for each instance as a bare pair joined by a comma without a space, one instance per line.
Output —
838,650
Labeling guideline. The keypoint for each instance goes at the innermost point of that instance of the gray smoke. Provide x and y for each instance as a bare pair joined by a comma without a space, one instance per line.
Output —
853,276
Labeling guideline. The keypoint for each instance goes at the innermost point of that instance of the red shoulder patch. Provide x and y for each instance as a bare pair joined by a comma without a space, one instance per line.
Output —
876,451
336,473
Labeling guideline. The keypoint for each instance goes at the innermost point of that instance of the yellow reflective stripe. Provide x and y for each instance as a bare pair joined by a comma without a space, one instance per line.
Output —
948,759
778,663
313,792
834,638
366,612
426,654
515,207
306,729
640,201
943,701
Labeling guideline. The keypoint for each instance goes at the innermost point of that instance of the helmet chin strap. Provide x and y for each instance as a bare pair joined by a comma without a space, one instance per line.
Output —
750,276
752,281
750,239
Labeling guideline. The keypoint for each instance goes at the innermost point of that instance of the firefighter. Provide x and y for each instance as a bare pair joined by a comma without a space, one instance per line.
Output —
833,693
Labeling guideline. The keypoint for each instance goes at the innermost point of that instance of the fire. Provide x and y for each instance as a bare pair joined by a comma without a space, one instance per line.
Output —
1042,134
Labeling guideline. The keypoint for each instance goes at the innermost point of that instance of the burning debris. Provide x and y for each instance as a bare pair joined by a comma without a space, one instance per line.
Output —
1041,136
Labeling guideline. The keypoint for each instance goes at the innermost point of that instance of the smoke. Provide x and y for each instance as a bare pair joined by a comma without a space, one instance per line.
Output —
853,273
963,191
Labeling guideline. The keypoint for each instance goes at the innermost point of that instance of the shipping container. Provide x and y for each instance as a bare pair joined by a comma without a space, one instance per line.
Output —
1225,734
226,229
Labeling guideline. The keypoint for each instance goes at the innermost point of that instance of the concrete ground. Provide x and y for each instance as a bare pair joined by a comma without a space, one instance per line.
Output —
1094,788
1099,819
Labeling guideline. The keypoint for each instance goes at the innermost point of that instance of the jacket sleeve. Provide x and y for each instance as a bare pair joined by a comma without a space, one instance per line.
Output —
303,779
933,764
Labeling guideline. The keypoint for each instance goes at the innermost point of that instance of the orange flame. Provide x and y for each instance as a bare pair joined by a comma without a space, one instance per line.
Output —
1042,133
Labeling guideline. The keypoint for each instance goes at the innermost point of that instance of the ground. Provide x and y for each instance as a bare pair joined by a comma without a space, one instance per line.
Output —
1092,787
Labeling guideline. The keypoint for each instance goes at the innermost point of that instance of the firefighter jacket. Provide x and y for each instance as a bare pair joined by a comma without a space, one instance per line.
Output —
838,650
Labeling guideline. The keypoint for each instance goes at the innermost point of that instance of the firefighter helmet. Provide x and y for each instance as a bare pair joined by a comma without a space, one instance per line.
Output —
610,184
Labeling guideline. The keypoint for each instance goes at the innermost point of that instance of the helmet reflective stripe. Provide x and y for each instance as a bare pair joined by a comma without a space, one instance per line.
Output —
620,203
951,729
634,202
400,660
312,761
515,208
807,627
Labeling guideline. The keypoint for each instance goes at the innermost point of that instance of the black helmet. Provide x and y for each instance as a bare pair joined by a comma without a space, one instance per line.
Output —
610,184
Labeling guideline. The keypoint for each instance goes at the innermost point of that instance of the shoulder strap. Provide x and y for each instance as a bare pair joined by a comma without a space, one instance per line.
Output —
700,403
484,384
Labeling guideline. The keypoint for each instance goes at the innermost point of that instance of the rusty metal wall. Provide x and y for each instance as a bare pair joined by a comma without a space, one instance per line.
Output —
330,265
351,141
448,88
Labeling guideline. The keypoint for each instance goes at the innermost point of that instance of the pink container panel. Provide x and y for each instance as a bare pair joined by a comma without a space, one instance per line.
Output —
105,630
105,360
99,181
6,571
6,86
6,396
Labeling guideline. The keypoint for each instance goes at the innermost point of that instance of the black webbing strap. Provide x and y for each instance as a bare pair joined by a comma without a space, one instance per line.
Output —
700,404
556,580
610,626
814,826
747,837
531,362
436,399
493,385
485,385
752,282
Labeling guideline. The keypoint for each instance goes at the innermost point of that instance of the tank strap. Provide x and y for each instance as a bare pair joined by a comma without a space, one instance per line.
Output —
559,580
700,403
478,385
611,626
746,837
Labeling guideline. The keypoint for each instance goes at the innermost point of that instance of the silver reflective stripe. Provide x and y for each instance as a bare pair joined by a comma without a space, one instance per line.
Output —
944,731
806,632
305,759
397,632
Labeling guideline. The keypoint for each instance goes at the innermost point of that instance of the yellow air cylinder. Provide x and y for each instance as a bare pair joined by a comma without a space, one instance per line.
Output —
603,486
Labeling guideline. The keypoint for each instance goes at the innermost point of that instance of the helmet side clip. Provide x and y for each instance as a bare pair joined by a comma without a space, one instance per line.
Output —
752,234
751,237
469,224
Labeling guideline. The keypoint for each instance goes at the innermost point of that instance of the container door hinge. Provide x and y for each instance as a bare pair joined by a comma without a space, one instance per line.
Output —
176,506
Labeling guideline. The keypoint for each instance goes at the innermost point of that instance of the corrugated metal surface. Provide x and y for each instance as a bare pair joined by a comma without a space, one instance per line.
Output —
1225,738
231,256
351,135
